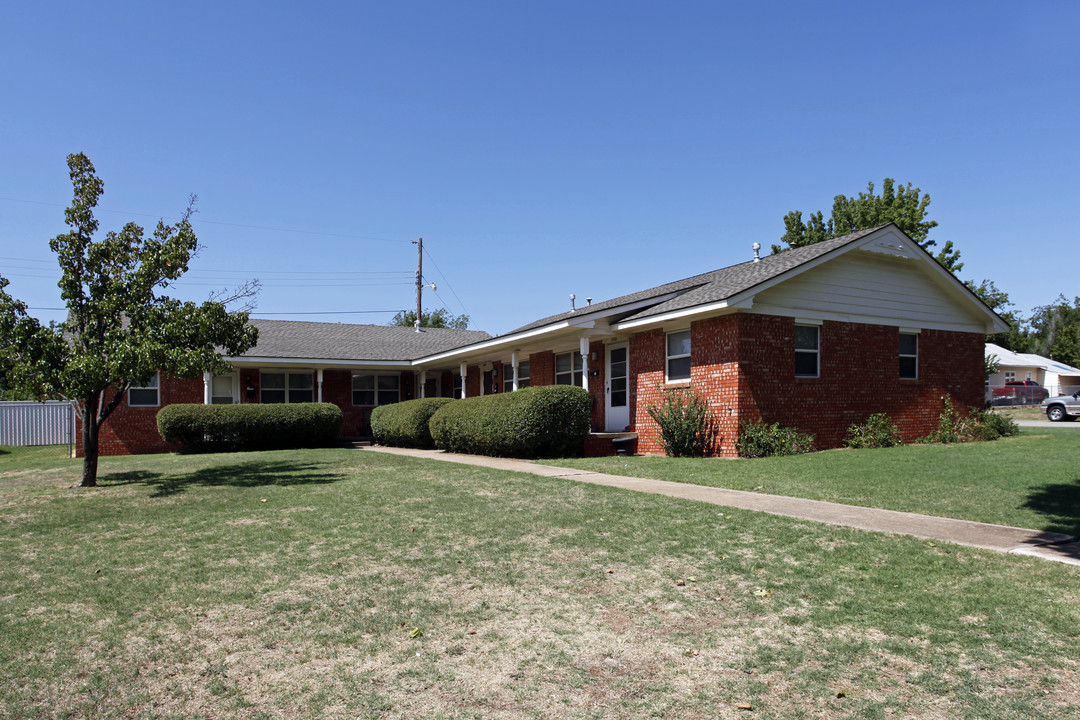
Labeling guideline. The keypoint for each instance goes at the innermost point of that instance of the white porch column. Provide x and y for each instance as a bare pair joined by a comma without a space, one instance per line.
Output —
423,383
514,368
583,347
207,381
319,378
463,368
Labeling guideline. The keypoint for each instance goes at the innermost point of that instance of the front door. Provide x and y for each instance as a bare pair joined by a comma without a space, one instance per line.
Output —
617,415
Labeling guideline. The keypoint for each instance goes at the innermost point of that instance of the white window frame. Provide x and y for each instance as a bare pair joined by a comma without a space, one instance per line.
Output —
816,351
288,389
234,388
914,356
375,390
1010,375
576,371
523,376
679,356
154,384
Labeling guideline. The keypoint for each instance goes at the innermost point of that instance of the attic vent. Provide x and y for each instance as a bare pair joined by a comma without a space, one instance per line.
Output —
756,246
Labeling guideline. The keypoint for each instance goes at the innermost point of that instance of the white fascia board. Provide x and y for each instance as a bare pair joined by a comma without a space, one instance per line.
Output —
247,360
493,344
682,314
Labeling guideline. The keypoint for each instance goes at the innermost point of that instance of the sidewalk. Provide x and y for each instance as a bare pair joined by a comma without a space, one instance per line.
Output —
1000,538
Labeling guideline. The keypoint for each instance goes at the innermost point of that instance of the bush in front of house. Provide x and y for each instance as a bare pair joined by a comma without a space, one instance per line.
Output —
221,428
685,426
760,439
980,425
878,431
549,421
405,424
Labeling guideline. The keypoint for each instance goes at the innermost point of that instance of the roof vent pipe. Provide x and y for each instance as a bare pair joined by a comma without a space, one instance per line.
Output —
756,246
572,297
588,301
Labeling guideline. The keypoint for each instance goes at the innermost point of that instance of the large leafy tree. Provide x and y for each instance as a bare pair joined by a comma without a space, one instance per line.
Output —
120,329
440,318
902,204
1055,330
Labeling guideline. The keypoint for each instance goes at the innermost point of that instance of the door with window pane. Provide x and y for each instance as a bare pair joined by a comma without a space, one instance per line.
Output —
223,389
617,408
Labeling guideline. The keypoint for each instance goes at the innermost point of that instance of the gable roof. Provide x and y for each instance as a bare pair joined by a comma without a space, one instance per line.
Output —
709,287
1008,358
293,339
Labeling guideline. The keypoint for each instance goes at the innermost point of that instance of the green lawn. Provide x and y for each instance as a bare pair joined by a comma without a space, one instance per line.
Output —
1031,480
345,584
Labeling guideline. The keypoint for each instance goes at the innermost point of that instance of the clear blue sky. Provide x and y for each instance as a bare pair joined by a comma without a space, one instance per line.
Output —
539,149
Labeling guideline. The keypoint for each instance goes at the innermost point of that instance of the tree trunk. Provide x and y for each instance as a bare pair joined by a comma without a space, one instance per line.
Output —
90,442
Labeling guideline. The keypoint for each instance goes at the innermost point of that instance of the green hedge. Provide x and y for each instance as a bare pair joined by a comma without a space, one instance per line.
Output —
405,424
217,428
547,421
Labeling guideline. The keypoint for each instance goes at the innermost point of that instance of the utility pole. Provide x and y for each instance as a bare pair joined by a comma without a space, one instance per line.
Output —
419,243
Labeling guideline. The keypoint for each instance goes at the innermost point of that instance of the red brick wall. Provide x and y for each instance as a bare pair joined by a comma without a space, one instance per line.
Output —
133,430
596,384
744,365
542,368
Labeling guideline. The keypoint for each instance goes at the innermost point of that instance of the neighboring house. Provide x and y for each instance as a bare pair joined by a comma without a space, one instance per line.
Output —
1057,377
817,338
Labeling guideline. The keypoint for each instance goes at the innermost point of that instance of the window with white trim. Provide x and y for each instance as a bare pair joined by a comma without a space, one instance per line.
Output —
678,356
909,356
147,395
286,387
568,369
1010,375
375,390
807,350
221,390
523,376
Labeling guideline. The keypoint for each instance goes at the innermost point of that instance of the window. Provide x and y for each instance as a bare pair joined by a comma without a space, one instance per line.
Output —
457,386
286,387
221,390
144,395
678,356
807,350
909,356
568,369
523,376
1010,375
374,390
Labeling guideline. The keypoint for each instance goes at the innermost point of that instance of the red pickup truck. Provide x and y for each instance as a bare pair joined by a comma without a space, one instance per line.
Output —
1019,392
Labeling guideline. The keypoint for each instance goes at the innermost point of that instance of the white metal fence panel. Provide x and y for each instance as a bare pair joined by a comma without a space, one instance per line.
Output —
34,423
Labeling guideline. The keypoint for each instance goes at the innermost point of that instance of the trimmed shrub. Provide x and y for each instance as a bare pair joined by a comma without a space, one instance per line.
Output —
685,426
218,428
405,424
877,432
759,439
549,421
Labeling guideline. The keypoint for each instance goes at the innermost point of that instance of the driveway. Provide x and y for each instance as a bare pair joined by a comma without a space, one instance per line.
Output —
1075,425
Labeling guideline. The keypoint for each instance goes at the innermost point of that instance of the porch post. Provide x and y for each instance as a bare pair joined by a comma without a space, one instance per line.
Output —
423,383
514,368
319,376
464,368
207,380
583,348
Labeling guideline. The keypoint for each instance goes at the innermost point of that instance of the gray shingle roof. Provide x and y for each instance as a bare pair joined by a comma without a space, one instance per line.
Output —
709,287
342,341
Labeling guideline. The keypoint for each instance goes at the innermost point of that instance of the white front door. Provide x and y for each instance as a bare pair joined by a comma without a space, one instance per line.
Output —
617,390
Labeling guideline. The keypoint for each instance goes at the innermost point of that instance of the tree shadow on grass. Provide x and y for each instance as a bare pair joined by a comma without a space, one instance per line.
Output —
249,474
1060,504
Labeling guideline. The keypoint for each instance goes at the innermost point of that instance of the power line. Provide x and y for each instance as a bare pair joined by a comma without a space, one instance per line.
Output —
447,281
348,236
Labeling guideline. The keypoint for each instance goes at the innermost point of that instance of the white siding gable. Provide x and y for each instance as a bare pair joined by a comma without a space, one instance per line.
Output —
868,286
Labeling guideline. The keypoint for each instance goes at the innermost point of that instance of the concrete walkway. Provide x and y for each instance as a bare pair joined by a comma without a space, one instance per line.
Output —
1001,538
